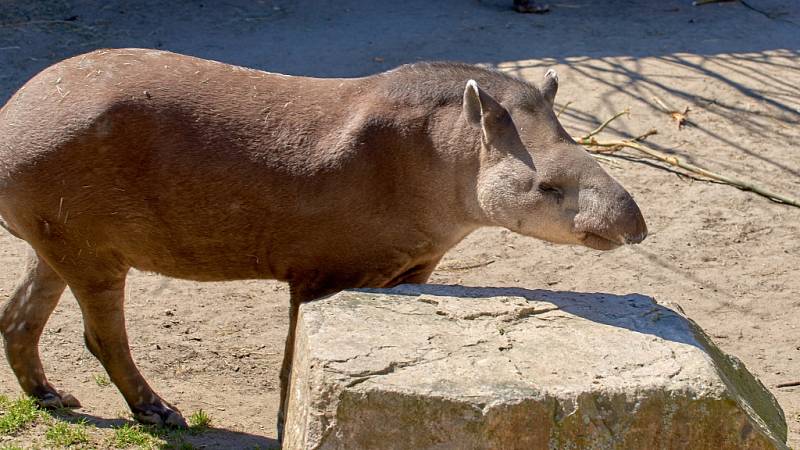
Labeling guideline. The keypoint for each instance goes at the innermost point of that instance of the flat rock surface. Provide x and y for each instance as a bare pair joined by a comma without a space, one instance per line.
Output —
455,367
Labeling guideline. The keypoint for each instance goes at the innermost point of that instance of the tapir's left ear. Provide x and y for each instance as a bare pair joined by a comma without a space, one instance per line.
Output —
482,111
550,86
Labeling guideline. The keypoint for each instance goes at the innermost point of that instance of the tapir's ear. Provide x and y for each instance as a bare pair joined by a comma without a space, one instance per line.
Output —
482,111
472,104
550,86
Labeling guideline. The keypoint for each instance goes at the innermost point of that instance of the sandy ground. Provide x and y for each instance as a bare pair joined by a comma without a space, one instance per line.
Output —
728,257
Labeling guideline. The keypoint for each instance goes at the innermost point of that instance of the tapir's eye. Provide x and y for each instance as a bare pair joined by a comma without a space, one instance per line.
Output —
551,190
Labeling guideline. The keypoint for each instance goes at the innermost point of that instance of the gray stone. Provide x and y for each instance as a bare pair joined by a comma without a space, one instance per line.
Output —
448,367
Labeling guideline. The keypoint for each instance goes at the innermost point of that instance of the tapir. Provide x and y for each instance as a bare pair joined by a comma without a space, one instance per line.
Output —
195,169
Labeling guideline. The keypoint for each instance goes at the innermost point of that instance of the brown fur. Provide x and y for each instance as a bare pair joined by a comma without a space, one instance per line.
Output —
144,159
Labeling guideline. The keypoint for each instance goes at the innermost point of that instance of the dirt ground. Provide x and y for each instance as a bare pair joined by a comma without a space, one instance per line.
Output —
731,259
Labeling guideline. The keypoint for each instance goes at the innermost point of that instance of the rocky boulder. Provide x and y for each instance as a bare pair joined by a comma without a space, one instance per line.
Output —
449,367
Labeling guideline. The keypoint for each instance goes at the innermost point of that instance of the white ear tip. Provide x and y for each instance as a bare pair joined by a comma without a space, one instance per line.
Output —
551,73
473,85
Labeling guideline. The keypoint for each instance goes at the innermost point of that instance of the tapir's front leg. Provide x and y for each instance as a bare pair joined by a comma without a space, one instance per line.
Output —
286,367
304,292
299,293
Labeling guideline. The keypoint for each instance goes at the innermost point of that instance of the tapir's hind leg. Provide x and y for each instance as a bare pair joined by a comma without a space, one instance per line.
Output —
106,338
21,322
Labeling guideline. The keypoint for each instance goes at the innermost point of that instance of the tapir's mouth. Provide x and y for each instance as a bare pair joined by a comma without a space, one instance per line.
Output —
598,242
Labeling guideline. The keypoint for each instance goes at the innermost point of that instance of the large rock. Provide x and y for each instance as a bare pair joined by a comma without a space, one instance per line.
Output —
447,367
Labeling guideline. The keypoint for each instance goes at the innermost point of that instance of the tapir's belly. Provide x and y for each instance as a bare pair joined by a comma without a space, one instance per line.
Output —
217,237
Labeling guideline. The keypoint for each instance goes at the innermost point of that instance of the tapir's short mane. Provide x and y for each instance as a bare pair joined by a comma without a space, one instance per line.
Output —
442,83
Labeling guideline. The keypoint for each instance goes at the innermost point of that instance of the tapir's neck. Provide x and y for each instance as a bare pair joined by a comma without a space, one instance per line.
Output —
458,145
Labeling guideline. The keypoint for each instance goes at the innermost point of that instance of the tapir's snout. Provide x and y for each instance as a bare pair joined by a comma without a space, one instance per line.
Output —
606,222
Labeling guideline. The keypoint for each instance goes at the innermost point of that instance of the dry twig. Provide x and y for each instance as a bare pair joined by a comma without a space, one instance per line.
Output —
455,268
611,146
563,108
679,117
605,124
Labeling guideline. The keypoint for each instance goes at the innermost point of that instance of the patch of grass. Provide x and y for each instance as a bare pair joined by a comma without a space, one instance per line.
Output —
199,420
182,445
63,434
11,447
17,414
130,435
150,437
101,380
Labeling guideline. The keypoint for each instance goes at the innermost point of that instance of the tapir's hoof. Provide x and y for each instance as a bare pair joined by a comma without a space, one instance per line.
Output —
159,415
53,400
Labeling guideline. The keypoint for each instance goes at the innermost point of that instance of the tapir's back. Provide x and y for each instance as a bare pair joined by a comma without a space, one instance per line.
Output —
108,93
169,160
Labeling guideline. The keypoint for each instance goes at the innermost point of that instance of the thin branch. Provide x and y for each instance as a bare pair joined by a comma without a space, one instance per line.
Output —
466,267
563,108
612,146
606,159
605,124
615,145
681,118
662,105
645,135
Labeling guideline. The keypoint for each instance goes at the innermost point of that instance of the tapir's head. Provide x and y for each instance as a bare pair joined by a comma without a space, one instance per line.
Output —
535,180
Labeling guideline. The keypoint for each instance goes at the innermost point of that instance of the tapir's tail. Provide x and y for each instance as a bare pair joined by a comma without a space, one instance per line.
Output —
3,135
3,224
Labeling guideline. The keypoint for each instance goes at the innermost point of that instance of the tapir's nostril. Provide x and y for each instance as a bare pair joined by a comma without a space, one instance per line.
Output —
639,229
636,238
632,227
